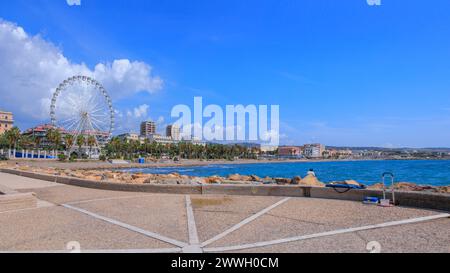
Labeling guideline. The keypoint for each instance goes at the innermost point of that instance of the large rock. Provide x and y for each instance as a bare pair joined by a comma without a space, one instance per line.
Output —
296,180
197,181
255,178
311,180
407,186
93,177
353,182
214,180
238,177
282,181
377,186
139,178
445,189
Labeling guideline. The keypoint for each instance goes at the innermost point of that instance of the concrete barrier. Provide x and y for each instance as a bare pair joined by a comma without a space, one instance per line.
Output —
255,190
410,199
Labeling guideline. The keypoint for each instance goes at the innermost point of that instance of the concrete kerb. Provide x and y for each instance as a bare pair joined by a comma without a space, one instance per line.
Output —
409,199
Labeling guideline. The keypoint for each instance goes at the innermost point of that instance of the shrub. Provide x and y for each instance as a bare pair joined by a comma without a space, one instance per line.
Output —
102,158
62,157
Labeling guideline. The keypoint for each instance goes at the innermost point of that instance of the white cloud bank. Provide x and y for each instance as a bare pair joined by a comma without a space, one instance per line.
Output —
74,2
31,68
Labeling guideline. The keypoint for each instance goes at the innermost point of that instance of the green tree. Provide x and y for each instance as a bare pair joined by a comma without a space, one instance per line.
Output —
13,137
69,140
54,137
91,142
80,142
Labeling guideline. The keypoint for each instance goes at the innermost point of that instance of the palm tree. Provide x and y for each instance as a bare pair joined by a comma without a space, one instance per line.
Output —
91,141
26,142
80,142
37,141
12,136
68,139
54,137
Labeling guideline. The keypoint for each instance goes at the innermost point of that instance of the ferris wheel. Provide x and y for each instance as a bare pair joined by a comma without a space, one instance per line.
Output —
81,106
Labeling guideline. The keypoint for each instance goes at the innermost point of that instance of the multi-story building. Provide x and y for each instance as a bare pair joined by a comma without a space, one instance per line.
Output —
173,131
313,150
40,132
289,151
6,121
148,128
131,137
160,139
334,153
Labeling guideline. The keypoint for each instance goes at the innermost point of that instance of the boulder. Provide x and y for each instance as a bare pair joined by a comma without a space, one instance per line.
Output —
197,181
268,180
353,182
138,175
214,180
93,177
444,189
238,177
296,180
150,180
311,180
378,186
255,178
111,175
24,168
282,181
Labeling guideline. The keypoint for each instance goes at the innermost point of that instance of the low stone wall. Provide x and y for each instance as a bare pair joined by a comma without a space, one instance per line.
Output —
403,198
410,199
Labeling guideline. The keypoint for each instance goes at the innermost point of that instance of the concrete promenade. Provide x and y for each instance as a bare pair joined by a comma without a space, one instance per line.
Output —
70,218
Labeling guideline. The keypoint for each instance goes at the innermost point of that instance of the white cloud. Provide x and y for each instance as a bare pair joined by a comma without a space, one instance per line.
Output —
74,2
141,111
31,68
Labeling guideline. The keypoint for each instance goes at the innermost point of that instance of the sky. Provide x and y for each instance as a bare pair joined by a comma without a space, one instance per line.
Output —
344,73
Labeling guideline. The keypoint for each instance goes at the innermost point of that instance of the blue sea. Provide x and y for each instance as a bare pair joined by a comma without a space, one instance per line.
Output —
424,172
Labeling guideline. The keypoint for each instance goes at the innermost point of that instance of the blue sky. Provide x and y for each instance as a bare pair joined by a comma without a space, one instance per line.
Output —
343,72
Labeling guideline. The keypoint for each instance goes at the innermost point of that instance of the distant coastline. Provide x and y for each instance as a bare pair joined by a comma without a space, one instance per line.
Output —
86,164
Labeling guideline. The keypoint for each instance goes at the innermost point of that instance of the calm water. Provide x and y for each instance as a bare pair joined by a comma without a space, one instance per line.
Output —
428,172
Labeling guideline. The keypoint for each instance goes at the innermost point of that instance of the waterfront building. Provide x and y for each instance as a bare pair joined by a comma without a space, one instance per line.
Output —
40,132
173,131
315,150
289,151
131,137
267,148
6,121
148,128
161,139
335,153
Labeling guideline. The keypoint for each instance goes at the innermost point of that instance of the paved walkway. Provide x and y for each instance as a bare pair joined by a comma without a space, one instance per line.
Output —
89,220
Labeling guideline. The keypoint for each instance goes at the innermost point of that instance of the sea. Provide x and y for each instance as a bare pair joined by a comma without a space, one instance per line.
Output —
422,172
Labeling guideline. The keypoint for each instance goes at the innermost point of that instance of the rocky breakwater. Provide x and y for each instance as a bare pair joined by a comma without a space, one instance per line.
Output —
406,186
178,179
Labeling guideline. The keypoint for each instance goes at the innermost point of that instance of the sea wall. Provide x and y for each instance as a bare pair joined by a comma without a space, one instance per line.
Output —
410,199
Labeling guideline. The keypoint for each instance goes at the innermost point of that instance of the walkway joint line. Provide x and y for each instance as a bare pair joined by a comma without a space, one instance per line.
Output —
150,250
129,227
193,234
108,199
244,222
328,233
